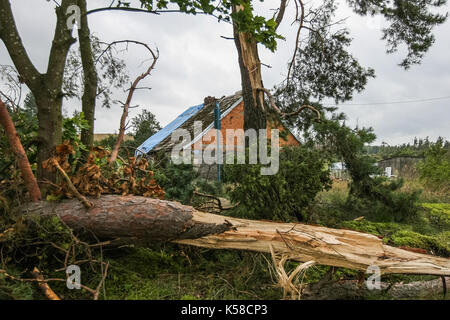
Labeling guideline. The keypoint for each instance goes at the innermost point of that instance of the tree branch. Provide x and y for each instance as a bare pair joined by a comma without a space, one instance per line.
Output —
280,15
62,40
19,152
285,115
10,37
300,27
126,106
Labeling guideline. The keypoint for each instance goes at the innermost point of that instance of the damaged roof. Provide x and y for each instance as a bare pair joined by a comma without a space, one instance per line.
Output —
203,112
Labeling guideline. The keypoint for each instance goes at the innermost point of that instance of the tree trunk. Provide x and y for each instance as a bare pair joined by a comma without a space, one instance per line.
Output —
49,131
251,78
90,78
46,88
145,220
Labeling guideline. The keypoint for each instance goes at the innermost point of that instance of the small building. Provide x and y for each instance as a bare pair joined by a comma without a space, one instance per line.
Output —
339,171
102,136
400,166
231,117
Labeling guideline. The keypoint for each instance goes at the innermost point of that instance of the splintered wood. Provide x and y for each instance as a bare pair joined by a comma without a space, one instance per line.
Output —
144,220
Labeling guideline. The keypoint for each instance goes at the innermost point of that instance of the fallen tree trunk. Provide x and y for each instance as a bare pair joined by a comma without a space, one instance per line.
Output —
145,220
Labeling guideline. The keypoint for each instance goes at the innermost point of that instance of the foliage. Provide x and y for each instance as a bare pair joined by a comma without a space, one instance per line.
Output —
176,180
283,196
410,24
97,176
144,126
435,169
368,190
415,149
72,127
410,21
263,30
111,71
323,66
71,132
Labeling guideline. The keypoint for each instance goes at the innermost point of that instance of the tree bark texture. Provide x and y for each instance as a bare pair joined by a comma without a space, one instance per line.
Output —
20,154
251,78
90,78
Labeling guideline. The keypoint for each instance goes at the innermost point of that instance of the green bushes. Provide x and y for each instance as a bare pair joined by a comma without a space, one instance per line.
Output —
384,203
283,196
176,180
435,169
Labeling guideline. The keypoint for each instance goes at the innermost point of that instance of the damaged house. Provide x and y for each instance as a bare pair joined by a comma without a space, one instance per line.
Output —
201,122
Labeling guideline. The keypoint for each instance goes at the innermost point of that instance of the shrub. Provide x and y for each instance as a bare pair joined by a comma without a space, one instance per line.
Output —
283,196
176,180
435,169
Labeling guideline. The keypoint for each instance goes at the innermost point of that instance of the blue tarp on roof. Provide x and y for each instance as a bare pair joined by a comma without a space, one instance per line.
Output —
155,139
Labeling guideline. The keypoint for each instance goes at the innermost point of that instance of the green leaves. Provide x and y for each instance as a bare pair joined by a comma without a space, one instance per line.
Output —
144,126
284,196
263,30
435,169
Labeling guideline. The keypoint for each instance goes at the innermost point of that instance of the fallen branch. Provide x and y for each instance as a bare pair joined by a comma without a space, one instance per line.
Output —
143,220
46,290
19,152
219,201
40,280
102,282
70,185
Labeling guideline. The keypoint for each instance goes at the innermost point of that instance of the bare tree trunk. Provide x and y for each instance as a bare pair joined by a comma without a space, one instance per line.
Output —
145,220
90,79
19,152
251,78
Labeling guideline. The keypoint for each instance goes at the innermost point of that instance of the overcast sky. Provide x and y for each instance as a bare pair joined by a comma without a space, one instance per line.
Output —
196,62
